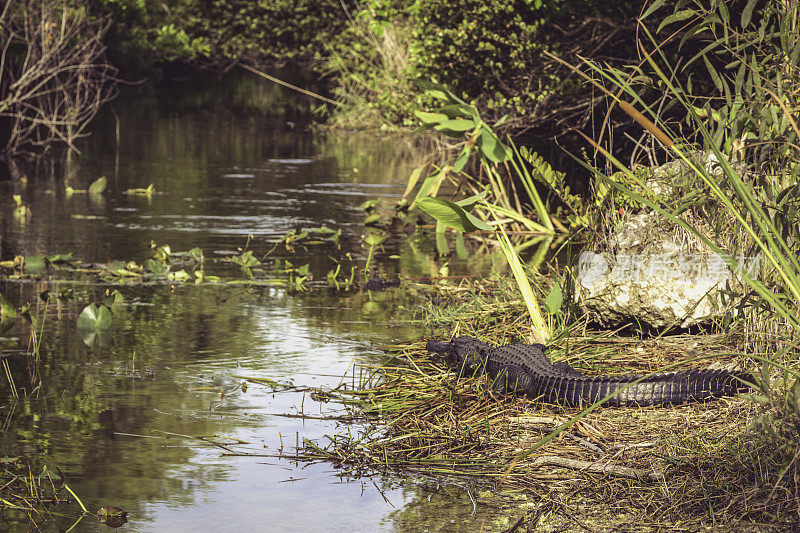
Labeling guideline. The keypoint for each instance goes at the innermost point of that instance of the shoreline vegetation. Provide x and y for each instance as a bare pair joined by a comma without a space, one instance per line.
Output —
638,86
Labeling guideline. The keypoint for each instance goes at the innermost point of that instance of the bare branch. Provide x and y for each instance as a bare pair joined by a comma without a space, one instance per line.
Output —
53,74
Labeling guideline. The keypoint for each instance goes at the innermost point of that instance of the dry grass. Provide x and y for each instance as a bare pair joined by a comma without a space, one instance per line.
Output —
687,467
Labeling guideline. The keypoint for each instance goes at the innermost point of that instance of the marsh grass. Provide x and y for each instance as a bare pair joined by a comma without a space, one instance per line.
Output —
684,466
423,420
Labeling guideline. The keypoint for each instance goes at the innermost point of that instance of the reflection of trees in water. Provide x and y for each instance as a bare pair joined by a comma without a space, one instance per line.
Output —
144,381
88,397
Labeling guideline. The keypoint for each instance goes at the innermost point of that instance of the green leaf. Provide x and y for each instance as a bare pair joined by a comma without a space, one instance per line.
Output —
98,185
8,315
794,397
196,254
34,263
431,119
500,122
374,239
367,205
655,5
452,215
155,267
676,17
113,300
469,203
554,300
60,258
180,275
460,111
440,92
94,317
491,147
456,126
747,13
462,159
430,187
413,179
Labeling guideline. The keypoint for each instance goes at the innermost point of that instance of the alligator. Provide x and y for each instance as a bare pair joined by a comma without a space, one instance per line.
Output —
524,368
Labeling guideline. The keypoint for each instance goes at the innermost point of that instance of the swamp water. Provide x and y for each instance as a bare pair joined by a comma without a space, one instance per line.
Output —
138,421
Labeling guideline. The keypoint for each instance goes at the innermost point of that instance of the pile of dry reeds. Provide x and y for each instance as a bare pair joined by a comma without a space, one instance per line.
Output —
691,466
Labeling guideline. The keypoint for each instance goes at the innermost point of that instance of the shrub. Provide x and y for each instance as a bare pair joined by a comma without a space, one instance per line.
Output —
485,48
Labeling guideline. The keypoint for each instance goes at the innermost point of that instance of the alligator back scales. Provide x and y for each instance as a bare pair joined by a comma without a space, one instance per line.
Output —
525,368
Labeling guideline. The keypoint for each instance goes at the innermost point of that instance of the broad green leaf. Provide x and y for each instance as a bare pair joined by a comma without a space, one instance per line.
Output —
452,215
94,317
34,263
431,119
554,300
440,92
180,275
98,185
491,147
460,111
367,205
456,125
156,267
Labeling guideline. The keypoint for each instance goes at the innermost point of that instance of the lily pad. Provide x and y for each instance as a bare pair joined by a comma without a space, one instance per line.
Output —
34,264
95,317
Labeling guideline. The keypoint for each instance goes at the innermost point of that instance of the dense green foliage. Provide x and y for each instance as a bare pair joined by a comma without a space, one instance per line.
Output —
489,51
148,33
265,29
143,34
484,49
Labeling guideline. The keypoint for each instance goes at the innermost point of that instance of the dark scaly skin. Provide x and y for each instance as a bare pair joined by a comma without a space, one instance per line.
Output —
525,368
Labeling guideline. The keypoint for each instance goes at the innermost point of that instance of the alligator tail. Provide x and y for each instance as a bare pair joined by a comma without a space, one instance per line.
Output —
675,388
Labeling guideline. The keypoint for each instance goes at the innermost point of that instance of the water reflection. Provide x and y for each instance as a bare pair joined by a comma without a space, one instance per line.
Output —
228,159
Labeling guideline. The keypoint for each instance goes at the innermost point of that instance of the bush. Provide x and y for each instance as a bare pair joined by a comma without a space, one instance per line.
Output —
491,49
265,30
